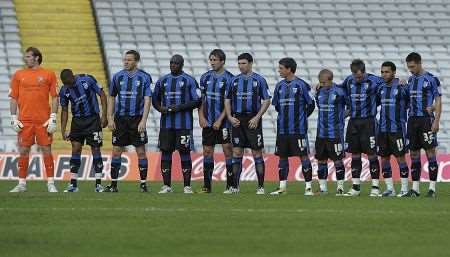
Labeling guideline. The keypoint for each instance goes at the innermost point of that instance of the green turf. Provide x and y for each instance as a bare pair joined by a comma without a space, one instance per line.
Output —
129,223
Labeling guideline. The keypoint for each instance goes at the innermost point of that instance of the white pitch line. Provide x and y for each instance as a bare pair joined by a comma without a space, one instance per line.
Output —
232,210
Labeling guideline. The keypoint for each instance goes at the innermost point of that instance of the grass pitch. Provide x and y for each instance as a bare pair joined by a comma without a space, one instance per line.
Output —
130,223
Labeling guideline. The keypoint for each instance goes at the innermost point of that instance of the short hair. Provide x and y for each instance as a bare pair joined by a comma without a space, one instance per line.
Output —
289,63
35,52
246,56
65,74
414,57
219,54
389,64
327,72
357,65
137,56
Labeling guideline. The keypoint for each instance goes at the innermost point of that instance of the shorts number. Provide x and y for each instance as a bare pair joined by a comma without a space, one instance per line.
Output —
259,139
98,136
372,142
400,144
184,140
428,137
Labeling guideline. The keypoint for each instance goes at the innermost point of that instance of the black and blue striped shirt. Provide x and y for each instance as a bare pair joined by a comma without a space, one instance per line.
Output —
331,103
82,96
291,100
422,90
362,95
246,93
129,91
171,90
213,87
393,100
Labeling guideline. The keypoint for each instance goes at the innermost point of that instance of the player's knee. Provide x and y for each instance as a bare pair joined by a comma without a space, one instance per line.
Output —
24,150
207,151
95,150
237,152
257,153
46,149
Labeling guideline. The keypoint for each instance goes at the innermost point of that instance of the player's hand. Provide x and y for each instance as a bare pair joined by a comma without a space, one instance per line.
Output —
202,121
234,122
51,123
16,124
65,135
104,121
217,124
253,123
430,109
142,126
435,126
111,124
317,87
164,110
173,108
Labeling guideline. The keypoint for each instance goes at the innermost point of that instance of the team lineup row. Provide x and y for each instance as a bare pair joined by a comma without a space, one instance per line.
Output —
230,109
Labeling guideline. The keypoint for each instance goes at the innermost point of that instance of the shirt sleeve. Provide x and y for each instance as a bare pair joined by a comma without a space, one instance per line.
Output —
195,90
229,89
306,89
112,87
436,87
14,87
147,86
264,89
275,96
93,84
52,81
63,100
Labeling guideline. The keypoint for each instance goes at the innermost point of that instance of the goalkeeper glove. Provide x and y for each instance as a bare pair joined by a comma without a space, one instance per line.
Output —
15,123
51,124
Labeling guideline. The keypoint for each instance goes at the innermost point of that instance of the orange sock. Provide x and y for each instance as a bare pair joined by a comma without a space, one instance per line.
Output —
23,165
49,166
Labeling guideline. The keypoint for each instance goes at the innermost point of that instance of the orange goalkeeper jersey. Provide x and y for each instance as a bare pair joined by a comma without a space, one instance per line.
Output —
31,89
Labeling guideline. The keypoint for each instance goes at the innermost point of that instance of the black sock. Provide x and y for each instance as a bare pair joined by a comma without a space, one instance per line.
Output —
208,168
416,169
322,171
166,168
356,167
97,163
116,162
237,169
229,166
432,168
186,168
260,170
75,163
374,166
307,170
340,171
283,169
143,168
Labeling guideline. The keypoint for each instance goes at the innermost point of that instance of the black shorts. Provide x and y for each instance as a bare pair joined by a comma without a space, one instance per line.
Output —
361,136
419,133
391,144
175,139
244,137
87,129
212,137
126,132
329,148
292,145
